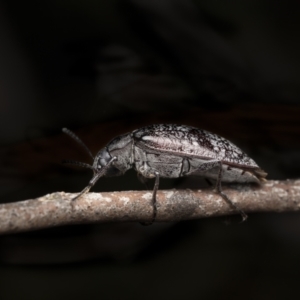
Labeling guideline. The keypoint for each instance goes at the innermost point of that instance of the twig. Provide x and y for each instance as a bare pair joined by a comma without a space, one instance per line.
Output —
173,205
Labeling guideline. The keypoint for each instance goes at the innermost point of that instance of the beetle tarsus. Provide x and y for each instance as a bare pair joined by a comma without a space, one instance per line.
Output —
84,191
97,175
225,197
233,205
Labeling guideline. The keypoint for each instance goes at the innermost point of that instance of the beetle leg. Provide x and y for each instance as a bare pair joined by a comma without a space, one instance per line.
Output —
97,175
214,163
156,185
224,196
154,206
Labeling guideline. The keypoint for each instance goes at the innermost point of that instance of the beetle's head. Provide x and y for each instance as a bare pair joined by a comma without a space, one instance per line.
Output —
101,161
102,165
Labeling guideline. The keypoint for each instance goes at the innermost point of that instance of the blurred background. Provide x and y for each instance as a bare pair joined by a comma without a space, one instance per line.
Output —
106,67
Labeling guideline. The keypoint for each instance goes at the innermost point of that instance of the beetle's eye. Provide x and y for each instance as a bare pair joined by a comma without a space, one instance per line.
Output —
102,162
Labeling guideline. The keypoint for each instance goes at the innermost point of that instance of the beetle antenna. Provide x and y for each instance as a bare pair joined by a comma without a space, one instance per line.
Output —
77,163
78,140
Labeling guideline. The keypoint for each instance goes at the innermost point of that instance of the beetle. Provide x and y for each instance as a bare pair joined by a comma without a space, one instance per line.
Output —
172,151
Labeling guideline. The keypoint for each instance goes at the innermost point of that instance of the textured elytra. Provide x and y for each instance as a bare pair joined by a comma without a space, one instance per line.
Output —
193,142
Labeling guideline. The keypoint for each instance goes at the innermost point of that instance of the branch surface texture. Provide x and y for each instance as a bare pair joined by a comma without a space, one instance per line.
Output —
135,206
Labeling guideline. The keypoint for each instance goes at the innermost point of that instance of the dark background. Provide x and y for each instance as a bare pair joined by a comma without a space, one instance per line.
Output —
102,68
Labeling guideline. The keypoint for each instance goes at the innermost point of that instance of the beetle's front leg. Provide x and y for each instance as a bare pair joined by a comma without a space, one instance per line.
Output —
97,175
212,164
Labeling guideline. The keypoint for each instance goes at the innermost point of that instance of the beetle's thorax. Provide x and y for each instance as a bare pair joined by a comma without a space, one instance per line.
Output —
121,148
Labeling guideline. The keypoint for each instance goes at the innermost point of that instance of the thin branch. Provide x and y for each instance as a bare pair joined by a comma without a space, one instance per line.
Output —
173,205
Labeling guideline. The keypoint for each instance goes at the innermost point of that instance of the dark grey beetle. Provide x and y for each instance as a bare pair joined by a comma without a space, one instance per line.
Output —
173,151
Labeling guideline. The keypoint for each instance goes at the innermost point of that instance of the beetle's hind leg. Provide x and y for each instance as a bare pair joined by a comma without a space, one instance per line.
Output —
224,196
217,163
